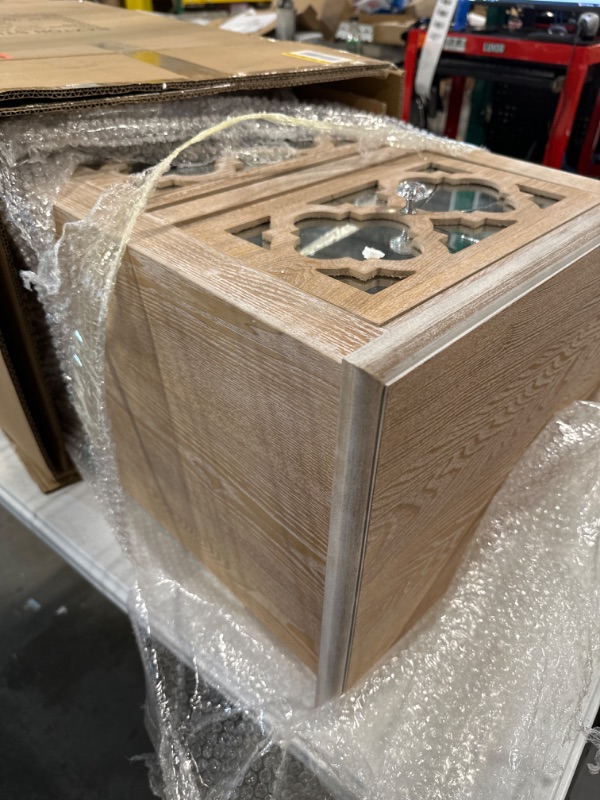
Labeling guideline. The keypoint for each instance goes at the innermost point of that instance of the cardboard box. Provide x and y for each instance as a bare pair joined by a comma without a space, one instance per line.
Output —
250,22
417,9
390,28
29,414
71,55
323,426
68,53
322,15
388,31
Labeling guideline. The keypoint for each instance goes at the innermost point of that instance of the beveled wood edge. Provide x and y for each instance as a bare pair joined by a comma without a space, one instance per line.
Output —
432,272
328,329
526,169
443,319
403,298
358,440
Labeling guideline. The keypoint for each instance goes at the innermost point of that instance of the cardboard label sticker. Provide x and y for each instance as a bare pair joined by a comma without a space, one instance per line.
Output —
321,58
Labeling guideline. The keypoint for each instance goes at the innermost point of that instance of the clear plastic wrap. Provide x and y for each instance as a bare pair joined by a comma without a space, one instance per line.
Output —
482,697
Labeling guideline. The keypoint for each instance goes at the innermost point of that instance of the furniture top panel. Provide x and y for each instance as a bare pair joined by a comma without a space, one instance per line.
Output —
376,234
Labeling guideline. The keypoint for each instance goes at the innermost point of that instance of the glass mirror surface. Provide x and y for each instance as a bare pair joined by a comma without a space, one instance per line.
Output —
459,237
372,285
465,198
326,238
192,168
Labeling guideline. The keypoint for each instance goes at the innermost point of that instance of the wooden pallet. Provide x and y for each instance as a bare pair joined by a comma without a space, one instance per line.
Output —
326,450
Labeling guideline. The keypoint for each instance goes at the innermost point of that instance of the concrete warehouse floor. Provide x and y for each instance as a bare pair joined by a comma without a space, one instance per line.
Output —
71,682
72,686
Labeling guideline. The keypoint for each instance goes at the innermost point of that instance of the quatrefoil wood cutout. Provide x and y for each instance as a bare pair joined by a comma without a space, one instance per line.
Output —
333,222
340,231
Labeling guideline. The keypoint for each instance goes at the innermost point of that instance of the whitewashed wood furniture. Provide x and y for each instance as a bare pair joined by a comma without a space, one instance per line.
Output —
324,429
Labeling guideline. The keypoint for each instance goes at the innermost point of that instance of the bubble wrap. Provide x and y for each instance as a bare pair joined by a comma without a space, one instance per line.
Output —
481,699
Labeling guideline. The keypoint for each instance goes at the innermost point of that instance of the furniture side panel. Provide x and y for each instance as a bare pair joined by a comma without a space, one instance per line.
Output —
453,428
225,431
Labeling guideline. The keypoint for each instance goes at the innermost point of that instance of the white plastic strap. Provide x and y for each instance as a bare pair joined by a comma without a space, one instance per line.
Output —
439,26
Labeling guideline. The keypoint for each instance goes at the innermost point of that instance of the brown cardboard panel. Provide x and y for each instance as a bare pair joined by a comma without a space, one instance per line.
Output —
391,33
417,9
374,94
348,91
32,47
28,413
67,49
18,429
46,36
251,61
44,73
390,28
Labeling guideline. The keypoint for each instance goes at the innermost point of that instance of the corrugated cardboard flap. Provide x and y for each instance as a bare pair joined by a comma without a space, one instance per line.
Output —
69,50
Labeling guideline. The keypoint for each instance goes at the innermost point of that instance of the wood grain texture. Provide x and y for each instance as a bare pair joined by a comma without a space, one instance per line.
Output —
283,202
452,430
327,453
414,336
230,174
222,204
329,330
223,386
526,170
225,431
271,185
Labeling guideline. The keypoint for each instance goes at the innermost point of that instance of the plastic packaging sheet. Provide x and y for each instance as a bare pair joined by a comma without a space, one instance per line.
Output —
482,699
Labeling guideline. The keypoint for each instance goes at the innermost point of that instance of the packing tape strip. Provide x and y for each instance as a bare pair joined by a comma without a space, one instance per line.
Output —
433,46
177,66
